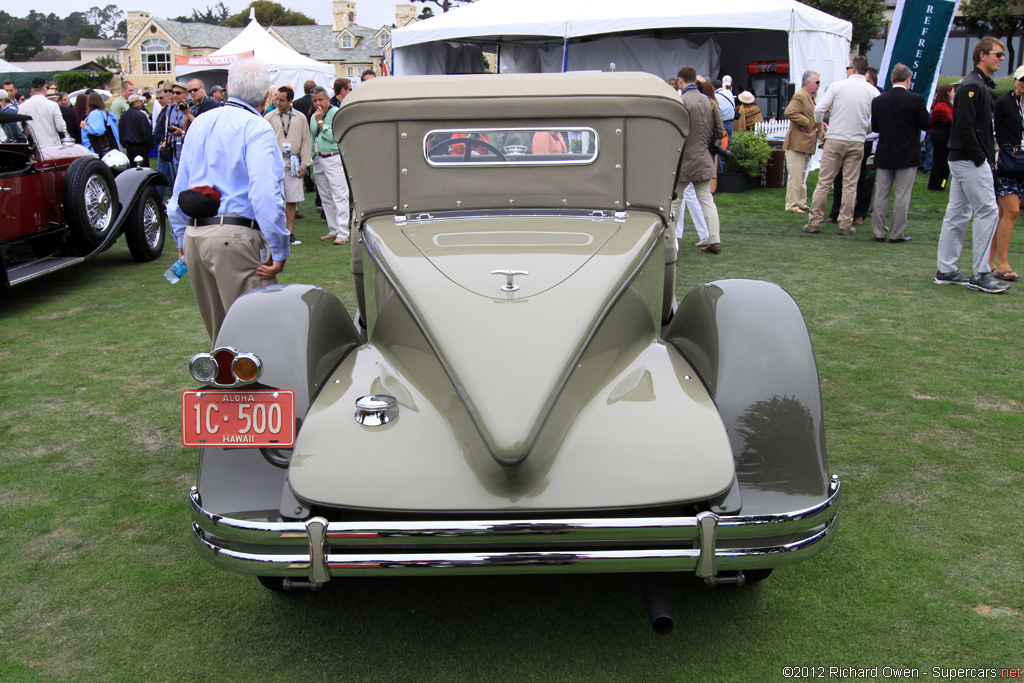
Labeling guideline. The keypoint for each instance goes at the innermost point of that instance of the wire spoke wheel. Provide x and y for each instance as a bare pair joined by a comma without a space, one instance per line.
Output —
98,204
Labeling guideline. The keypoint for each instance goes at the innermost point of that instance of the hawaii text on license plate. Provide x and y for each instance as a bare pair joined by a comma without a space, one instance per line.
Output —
238,418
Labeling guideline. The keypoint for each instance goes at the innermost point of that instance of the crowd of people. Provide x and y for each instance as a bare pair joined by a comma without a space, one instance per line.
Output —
975,150
237,165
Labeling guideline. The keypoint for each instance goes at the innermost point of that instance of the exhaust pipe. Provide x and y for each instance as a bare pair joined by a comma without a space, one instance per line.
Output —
657,606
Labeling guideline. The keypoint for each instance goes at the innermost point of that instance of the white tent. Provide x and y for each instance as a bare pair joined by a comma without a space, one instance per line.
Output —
657,36
8,68
287,66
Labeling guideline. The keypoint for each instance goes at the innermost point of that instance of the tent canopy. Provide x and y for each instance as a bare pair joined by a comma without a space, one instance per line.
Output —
553,31
287,66
8,68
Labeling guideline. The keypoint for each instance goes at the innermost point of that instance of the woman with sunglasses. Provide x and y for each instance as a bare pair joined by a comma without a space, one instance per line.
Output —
1009,127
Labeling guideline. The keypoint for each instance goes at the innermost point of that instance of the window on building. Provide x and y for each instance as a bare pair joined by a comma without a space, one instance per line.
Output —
383,39
156,56
351,71
346,40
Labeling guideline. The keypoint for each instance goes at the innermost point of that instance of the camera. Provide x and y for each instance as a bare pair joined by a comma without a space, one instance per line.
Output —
715,149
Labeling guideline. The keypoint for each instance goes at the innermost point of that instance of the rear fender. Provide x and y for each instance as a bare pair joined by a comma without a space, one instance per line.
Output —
300,333
748,342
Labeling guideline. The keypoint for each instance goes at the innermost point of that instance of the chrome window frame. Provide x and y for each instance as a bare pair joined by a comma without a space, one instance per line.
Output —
520,160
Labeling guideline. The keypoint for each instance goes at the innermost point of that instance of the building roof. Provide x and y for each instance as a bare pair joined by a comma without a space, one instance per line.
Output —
99,44
62,65
197,35
323,42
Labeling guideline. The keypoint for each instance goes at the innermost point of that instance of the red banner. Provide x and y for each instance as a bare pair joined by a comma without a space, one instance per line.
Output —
767,67
212,61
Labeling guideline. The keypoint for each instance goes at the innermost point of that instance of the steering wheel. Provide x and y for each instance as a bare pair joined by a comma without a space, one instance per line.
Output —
470,144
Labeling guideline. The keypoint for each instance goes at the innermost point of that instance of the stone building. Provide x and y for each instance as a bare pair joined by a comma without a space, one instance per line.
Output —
147,56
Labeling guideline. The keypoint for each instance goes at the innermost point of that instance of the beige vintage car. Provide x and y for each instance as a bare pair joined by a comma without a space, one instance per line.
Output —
519,391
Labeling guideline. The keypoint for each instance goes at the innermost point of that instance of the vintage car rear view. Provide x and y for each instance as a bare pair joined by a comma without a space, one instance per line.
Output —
519,390
61,204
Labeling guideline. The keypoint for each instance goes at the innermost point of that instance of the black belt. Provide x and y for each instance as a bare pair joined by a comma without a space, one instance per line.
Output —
224,220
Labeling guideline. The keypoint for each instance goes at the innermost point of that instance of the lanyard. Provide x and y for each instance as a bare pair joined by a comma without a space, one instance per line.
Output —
284,127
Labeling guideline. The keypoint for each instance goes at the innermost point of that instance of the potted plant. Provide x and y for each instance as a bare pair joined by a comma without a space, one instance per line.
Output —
749,153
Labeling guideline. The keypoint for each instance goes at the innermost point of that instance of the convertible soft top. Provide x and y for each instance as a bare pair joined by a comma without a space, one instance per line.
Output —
8,117
384,126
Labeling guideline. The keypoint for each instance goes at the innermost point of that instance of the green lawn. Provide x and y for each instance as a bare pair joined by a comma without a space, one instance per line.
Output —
925,424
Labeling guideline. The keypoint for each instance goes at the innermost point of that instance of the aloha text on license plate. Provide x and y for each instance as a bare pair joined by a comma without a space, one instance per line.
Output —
238,418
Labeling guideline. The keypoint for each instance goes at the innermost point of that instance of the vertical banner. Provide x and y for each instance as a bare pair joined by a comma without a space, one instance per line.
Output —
917,38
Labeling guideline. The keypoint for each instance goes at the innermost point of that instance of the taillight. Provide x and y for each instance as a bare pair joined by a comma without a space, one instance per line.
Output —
226,367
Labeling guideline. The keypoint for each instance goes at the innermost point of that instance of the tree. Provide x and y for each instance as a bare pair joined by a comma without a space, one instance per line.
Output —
426,13
107,20
213,15
109,63
23,45
867,16
443,5
1002,18
269,14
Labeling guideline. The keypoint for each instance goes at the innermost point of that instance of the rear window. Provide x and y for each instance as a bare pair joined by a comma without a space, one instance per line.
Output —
510,146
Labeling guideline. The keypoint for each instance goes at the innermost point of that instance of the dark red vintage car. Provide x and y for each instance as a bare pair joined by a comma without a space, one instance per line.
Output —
61,204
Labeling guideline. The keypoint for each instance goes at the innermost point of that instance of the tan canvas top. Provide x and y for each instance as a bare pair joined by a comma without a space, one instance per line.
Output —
638,118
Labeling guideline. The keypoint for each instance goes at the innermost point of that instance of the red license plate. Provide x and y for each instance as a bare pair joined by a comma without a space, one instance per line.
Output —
238,418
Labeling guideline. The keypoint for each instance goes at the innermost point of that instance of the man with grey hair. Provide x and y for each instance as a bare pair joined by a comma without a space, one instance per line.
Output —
227,207
800,141
898,116
849,123
328,172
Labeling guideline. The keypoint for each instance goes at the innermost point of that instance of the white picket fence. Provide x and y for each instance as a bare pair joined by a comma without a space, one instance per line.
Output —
774,128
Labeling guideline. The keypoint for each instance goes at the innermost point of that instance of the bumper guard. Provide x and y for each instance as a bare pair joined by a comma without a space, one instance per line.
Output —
319,550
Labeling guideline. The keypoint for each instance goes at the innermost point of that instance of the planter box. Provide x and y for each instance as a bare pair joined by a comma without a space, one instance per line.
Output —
734,183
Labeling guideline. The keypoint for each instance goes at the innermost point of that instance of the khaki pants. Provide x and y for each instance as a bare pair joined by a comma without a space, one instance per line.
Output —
838,156
222,262
796,186
902,179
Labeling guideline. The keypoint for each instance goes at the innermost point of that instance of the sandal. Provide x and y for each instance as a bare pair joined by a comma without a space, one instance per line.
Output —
1007,275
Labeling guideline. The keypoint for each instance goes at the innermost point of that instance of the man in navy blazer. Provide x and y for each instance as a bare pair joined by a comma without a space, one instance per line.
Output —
898,117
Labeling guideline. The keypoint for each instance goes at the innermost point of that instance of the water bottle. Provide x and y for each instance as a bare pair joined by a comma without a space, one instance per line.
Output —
176,271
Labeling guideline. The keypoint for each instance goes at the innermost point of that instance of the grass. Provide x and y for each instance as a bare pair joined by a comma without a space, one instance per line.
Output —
924,421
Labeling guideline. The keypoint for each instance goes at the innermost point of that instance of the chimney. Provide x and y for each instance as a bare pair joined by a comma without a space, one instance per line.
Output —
135,21
344,14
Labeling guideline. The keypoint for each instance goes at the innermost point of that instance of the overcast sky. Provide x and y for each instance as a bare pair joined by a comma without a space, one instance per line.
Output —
370,13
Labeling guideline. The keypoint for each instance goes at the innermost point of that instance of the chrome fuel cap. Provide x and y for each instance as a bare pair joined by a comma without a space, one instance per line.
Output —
375,410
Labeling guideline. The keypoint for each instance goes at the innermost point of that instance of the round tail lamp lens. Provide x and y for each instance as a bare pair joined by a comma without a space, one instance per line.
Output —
203,367
246,368
225,358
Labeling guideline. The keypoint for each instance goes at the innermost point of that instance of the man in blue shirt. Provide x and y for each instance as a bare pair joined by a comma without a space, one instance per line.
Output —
232,149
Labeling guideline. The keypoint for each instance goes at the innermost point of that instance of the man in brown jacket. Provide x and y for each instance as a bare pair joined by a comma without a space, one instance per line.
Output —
800,142
698,166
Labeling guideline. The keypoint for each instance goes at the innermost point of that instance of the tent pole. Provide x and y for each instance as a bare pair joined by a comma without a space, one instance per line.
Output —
565,55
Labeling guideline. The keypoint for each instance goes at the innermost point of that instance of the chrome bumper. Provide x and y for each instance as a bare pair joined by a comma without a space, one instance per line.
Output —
319,550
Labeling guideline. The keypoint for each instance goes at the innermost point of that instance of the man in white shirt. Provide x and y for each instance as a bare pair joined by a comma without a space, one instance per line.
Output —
47,123
849,123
